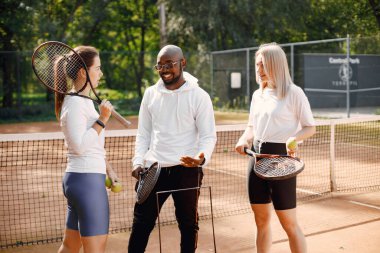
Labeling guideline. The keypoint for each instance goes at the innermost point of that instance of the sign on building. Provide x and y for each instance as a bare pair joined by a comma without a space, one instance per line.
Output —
329,73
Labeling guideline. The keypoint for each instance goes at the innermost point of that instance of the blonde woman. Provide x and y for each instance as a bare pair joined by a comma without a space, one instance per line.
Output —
279,115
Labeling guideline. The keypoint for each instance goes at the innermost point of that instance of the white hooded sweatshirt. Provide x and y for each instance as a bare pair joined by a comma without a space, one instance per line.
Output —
174,123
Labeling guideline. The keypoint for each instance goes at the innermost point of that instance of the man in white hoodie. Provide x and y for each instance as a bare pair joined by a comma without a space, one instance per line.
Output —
176,129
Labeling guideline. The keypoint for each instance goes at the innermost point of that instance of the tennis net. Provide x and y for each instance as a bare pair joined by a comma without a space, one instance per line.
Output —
342,156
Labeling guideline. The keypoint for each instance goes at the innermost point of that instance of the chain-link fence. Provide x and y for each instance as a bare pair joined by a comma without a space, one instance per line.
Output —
322,68
22,97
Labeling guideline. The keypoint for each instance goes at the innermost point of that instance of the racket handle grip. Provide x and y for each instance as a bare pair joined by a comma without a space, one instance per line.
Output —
253,154
120,118
249,152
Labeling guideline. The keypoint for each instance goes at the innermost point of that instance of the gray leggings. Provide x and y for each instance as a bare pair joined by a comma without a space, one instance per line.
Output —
87,200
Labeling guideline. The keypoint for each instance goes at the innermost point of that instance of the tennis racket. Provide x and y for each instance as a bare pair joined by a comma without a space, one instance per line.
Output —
275,167
147,181
60,80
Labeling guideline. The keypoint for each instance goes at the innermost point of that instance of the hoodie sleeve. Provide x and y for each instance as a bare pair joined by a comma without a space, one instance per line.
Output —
205,122
144,131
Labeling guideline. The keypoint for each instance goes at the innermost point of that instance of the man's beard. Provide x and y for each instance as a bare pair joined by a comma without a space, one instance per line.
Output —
174,80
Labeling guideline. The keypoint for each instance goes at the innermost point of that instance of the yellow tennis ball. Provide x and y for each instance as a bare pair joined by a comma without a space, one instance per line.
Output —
116,187
108,182
292,145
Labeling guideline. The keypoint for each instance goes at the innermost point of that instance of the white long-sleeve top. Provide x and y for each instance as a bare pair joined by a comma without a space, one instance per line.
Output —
86,153
275,120
174,123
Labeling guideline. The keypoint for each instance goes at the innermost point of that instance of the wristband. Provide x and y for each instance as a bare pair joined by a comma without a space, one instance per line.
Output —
100,123
203,162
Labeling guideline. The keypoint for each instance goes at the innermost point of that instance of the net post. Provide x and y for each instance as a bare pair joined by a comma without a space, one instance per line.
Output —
248,78
348,103
158,218
212,218
333,186
292,61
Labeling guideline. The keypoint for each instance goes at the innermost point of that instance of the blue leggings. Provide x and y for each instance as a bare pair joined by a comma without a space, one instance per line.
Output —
87,200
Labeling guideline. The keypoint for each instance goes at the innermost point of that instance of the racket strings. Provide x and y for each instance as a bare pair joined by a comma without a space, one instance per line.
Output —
147,182
278,167
57,67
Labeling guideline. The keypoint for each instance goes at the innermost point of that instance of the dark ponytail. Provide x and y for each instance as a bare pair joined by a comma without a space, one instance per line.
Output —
62,71
59,81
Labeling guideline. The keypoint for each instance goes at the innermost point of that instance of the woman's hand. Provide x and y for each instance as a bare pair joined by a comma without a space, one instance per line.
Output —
105,109
112,175
291,146
240,146
244,140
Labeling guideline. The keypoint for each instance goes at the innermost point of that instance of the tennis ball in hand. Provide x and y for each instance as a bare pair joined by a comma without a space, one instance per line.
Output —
108,182
292,145
116,187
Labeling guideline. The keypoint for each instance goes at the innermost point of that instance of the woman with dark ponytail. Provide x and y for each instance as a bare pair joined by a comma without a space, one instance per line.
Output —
84,180
59,79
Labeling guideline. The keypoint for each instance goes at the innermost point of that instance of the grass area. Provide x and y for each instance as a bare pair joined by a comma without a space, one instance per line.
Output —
39,106
223,117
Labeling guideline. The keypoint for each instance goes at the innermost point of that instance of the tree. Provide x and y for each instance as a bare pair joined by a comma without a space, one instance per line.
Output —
375,5
123,31
15,27
227,24
218,25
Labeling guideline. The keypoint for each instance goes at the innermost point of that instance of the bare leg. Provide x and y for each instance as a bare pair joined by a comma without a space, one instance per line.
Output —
262,214
71,242
94,244
288,220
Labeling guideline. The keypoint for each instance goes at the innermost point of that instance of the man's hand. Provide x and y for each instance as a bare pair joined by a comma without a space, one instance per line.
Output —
195,161
136,171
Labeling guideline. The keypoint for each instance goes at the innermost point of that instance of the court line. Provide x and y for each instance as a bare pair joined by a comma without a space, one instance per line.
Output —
244,176
363,204
333,229
228,173
308,191
358,145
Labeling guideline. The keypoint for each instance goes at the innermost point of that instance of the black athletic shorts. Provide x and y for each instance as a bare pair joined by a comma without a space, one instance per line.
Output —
281,192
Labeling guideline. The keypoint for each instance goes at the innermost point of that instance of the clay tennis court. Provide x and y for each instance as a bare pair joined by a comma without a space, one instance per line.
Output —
332,222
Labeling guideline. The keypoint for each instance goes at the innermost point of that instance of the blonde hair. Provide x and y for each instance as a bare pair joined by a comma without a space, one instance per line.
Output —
275,67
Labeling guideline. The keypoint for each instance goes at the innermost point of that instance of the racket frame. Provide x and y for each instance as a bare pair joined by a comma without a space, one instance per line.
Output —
268,157
141,181
120,118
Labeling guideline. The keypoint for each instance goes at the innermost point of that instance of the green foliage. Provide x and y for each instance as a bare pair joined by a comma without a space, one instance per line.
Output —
237,104
227,24
34,106
42,111
127,35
